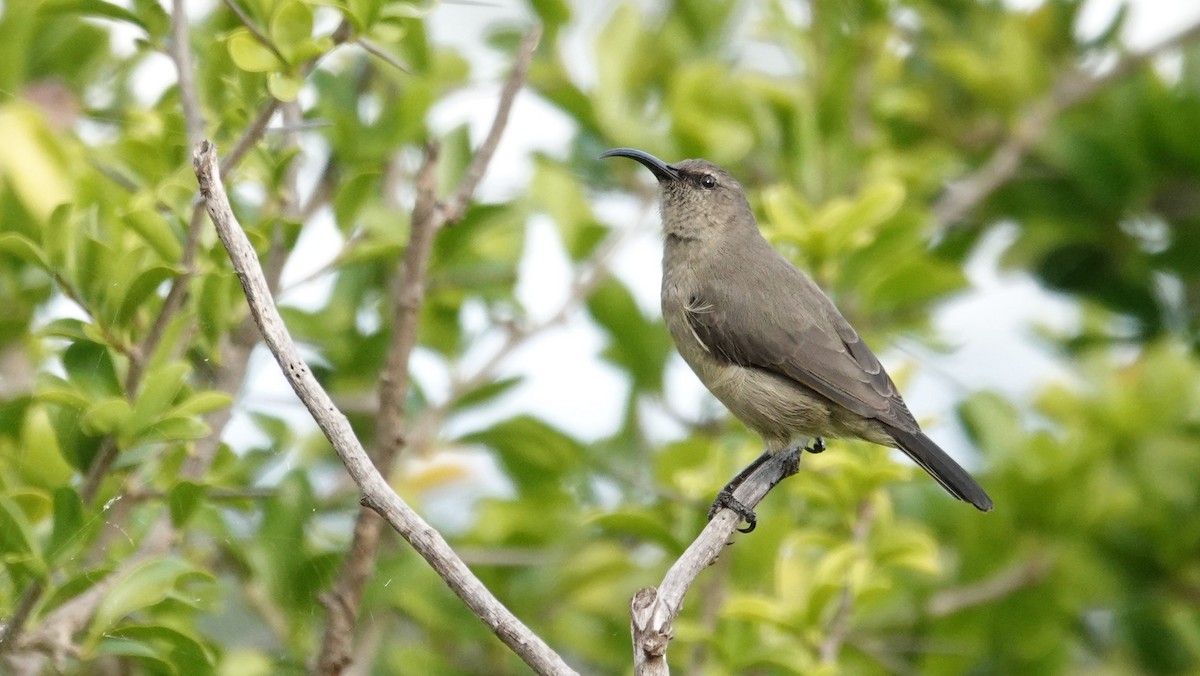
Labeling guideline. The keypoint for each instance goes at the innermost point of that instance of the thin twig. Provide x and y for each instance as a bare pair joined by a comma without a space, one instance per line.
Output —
342,602
653,610
1017,576
181,54
388,58
963,196
453,210
428,217
79,609
839,625
254,132
377,494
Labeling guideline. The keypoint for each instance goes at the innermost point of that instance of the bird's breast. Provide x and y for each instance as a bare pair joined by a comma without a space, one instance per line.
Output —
774,406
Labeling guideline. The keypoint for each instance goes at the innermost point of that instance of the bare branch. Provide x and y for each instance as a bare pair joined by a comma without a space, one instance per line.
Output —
839,624
457,203
82,607
250,136
387,57
181,54
1017,576
377,494
343,601
1075,87
653,610
408,295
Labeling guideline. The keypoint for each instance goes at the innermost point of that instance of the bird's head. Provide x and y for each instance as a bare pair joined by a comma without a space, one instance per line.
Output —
700,200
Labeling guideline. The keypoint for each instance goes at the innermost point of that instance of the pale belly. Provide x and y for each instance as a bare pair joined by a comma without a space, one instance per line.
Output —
783,411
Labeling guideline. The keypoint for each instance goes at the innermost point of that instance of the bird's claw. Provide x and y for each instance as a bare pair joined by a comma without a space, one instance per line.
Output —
818,446
725,500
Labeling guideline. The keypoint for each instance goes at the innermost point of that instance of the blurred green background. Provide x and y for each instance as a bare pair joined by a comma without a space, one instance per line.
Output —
166,507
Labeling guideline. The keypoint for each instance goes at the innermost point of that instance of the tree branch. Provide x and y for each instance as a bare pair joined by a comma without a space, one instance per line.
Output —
181,54
963,196
67,623
377,494
1016,576
343,601
653,610
456,205
389,59
839,625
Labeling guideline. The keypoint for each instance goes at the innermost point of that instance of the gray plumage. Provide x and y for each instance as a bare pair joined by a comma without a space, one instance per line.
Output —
764,338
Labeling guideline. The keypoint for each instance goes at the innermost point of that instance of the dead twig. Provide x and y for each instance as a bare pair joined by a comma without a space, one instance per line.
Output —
653,610
428,217
376,492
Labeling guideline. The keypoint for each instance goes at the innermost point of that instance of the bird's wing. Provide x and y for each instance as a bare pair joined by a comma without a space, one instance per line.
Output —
800,336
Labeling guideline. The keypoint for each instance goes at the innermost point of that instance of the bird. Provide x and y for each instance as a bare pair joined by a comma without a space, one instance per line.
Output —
764,338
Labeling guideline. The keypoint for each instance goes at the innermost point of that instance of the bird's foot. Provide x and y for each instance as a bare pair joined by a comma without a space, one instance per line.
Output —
725,500
818,446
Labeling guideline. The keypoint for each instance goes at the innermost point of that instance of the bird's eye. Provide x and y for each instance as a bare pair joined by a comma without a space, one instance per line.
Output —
708,182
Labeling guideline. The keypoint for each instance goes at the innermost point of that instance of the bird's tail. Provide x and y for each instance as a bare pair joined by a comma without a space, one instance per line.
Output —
942,467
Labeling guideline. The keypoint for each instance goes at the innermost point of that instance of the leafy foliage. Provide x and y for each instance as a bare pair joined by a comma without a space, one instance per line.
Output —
203,546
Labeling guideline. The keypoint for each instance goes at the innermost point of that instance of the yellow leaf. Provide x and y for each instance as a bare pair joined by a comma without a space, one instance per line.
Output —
30,162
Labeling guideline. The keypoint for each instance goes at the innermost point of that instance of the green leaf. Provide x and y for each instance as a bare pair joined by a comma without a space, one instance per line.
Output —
160,388
553,13
454,155
68,522
90,367
202,402
557,192
186,652
146,585
363,13
486,392
43,183
133,651
155,19
184,498
109,416
291,26
173,429
91,8
638,345
71,329
911,282
849,223
284,87
18,548
215,304
24,248
640,524
753,608
906,546
353,193
94,272
153,228
535,454
251,55
64,396
140,289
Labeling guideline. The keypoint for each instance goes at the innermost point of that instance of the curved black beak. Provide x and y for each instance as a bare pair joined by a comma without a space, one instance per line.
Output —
661,170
